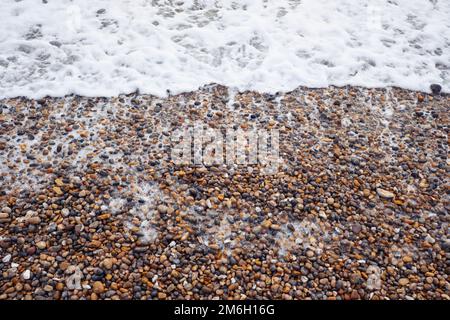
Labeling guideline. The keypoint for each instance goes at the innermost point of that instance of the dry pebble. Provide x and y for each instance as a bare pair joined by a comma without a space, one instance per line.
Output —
98,287
385,193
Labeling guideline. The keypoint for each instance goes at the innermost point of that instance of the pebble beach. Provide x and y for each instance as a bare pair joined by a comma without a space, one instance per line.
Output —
92,207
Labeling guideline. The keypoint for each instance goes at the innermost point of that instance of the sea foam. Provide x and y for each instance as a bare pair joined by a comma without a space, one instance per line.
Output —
104,48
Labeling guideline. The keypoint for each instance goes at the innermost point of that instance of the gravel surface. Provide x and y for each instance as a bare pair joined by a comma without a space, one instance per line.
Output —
92,207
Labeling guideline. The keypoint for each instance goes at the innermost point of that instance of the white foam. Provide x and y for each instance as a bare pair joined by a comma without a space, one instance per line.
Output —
151,194
305,234
65,46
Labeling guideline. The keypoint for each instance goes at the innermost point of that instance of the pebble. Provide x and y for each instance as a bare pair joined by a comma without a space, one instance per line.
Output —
6,210
4,215
48,288
385,193
162,209
366,193
41,245
356,228
108,263
98,210
162,295
58,190
430,239
6,258
435,88
98,287
26,275
82,193
407,259
33,220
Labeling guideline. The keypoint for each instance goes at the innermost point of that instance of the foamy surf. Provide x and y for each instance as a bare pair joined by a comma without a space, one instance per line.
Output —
104,48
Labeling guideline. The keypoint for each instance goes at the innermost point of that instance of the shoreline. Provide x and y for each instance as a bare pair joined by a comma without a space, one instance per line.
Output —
234,89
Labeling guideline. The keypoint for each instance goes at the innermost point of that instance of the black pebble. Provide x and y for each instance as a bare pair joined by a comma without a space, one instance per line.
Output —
435,88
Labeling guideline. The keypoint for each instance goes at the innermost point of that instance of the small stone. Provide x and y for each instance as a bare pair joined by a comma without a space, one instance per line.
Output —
26,275
322,214
403,281
33,220
108,263
59,182
6,258
266,224
355,295
6,210
185,236
82,193
257,230
84,133
98,287
95,244
446,245
171,287
407,259
162,295
275,227
41,245
104,216
64,265
48,288
58,190
162,209
310,253
330,201
430,239
355,161
435,88
385,193
356,228
4,215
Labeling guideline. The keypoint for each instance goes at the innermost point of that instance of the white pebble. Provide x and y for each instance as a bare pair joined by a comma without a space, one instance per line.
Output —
6,258
430,239
26,274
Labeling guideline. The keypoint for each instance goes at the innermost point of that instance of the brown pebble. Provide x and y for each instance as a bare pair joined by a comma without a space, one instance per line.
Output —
98,287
